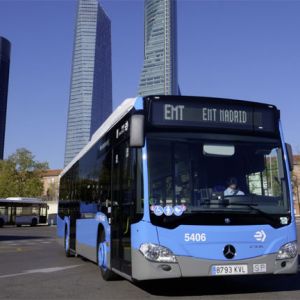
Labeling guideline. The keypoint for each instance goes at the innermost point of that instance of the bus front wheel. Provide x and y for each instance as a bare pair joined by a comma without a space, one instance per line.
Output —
1,222
106,273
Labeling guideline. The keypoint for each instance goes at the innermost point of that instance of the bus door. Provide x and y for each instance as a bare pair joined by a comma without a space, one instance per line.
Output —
122,208
43,214
12,214
73,205
74,215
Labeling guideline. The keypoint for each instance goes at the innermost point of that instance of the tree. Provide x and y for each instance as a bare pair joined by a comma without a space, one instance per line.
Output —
20,175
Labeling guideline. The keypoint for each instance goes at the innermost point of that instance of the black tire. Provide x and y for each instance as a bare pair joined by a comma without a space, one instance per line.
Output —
67,243
19,225
1,222
106,273
34,222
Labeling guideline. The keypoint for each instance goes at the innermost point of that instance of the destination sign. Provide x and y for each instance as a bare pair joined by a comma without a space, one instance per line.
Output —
230,116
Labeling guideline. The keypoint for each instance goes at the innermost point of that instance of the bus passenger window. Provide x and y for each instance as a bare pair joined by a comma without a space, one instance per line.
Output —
19,211
35,210
2,210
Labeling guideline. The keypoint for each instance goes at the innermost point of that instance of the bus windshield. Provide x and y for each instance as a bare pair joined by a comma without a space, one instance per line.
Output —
216,173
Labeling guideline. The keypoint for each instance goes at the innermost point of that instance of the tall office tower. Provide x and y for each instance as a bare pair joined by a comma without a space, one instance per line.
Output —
4,75
159,74
91,83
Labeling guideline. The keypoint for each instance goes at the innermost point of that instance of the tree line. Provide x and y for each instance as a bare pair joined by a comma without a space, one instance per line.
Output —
20,175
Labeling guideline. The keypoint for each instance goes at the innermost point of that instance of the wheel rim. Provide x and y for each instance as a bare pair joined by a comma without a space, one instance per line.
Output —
67,243
102,255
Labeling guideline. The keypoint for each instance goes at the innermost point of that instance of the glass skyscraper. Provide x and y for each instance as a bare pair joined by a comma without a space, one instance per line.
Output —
91,83
4,75
159,74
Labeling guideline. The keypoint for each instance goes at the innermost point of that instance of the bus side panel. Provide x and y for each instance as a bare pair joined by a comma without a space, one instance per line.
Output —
4,218
86,238
60,230
25,220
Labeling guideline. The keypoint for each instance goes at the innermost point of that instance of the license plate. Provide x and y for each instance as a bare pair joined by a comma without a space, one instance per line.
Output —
229,270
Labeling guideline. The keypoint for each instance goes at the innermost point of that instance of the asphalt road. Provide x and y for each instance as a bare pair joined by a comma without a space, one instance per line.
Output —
33,266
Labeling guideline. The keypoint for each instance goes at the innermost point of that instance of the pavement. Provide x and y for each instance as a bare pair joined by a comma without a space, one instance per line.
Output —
33,266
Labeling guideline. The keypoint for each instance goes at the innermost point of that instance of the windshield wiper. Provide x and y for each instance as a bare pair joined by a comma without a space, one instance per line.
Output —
252,207
225,201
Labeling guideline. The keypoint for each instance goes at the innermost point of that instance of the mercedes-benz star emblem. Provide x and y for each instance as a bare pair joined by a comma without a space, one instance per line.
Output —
227,220
229,251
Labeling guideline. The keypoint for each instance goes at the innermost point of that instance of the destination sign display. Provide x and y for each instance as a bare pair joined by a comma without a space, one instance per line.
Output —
213,115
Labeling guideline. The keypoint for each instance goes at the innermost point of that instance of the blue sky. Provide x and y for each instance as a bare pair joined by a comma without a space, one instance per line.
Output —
236,49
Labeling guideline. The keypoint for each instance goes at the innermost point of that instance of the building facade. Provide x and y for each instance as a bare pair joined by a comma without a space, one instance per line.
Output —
91,82
159,74
4,75
50,179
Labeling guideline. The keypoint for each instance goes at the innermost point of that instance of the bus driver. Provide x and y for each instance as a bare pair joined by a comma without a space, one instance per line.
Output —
232,189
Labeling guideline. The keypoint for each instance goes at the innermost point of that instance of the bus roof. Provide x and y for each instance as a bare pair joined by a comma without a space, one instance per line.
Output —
22,200
210,100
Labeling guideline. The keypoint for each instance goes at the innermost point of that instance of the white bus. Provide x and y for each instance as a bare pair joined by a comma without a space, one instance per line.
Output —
23,211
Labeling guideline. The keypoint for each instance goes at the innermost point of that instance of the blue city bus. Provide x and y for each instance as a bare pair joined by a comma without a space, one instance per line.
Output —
177,186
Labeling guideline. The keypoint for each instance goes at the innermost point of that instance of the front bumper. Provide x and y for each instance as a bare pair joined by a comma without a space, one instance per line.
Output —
142,269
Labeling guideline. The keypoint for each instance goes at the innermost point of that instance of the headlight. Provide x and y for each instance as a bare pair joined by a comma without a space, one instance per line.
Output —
157,253
288,250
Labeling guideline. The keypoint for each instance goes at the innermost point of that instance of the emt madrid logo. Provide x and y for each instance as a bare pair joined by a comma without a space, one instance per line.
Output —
260,236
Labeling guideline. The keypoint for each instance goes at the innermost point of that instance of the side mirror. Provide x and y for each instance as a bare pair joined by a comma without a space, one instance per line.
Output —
290,156
137,137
